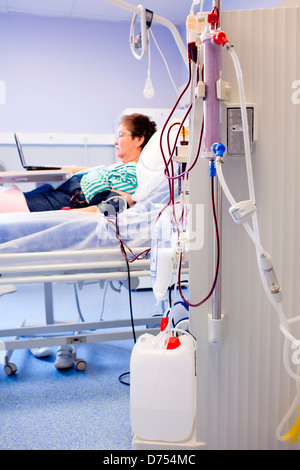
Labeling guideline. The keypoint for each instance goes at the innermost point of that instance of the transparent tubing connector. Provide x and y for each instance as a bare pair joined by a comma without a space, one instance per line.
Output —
212,131
266,265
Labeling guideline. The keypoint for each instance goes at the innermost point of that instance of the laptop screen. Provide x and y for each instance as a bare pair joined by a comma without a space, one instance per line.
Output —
20,151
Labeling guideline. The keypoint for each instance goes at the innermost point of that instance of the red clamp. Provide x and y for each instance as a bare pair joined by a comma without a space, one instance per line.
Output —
67,208
220,38
164,323
213,18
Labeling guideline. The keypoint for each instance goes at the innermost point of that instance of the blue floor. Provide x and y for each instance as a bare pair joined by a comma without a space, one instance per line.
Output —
42,408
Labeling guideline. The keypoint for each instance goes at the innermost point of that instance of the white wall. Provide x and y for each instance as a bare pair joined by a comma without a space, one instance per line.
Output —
75,77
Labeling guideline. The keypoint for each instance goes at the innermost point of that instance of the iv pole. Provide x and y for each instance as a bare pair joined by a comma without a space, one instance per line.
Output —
216,297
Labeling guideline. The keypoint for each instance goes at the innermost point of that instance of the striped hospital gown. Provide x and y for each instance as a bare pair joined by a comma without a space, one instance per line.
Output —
120,176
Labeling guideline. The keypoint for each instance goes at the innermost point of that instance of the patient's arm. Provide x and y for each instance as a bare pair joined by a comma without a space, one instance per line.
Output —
127,196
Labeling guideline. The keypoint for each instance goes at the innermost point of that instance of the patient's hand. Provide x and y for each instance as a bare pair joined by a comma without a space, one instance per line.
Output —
73,168
87,209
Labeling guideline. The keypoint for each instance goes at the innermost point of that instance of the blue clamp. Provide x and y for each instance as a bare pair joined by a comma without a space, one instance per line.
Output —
212,168
218,149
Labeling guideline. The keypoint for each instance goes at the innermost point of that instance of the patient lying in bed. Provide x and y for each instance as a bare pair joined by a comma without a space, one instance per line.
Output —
85,190
67,230
22,231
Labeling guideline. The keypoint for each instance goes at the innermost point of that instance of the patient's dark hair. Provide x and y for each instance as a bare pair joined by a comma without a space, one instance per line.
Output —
139,125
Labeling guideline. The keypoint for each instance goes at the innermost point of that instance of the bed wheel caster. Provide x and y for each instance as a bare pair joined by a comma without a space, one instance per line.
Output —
10,368
80,364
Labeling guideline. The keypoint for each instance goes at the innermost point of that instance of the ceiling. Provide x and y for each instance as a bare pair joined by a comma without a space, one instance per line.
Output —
174,10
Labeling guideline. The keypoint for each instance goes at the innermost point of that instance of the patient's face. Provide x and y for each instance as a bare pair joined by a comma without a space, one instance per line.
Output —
128,148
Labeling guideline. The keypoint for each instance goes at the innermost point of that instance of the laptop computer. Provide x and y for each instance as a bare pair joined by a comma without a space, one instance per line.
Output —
28,167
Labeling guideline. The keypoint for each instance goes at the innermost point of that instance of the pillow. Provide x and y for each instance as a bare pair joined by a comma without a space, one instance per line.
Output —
152,182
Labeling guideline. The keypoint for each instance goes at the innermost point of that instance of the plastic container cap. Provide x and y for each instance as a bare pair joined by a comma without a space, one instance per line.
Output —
173,342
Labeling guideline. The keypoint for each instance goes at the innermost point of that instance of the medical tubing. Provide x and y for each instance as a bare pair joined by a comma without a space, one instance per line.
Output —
255,237
121,379
290,411
172,112
149,64
287,366
165,62
191,151
189,165
179,226
129,297
169,311
217,259
181,125
171,289
103,300
123,244
232,201
171,153
239,76
174,292
129,283
260,251
185,172
223,183
166,163
289,336
78,304
195,2
183,320
286,417
284,328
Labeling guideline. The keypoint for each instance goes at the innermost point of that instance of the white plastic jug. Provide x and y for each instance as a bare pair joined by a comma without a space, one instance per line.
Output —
162,388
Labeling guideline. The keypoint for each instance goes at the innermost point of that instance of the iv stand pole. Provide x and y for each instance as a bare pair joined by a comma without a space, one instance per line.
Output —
216,297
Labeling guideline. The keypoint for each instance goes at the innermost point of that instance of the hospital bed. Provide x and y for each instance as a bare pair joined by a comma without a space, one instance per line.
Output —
80,247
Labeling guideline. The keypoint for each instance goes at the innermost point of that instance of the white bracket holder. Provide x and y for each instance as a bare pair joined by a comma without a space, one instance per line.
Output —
216,330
